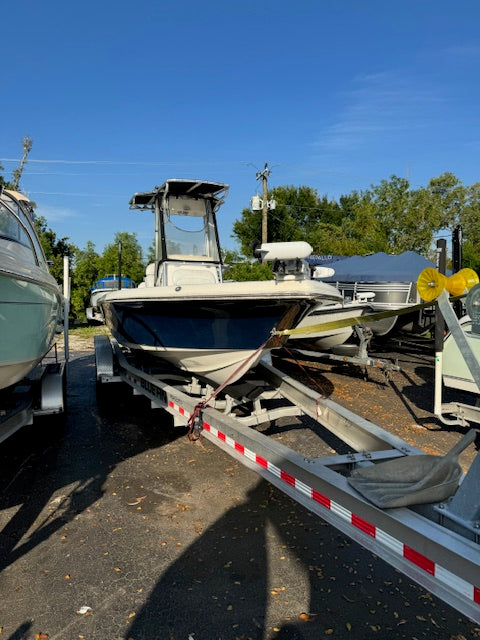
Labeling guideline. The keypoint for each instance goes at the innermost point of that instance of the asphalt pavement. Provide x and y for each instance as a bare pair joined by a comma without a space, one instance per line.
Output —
117,527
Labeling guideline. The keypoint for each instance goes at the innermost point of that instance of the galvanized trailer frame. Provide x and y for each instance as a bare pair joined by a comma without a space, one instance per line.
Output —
42,393
436,545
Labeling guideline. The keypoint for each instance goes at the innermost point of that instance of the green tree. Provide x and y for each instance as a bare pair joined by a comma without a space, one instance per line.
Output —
5,184
297,208
297,211
86,270
247,230
54,248
470,221
132,259
448,199
151,253
242,269
363,230
391,200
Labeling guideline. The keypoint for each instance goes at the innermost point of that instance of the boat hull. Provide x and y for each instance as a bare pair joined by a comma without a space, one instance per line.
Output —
217,332
330,313
208,339
29,316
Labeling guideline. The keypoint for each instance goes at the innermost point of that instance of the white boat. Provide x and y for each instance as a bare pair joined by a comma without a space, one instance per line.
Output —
100,288
184,313
31,303
349,312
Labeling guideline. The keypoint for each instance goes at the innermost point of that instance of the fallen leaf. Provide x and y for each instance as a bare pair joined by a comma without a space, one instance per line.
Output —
41,636
347,599
85,611
307,617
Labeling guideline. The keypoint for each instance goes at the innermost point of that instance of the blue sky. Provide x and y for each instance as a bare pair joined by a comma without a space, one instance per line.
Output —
333,94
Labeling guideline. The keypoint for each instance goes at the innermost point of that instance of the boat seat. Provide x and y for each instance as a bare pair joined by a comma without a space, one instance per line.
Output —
182,274
149,280
179,274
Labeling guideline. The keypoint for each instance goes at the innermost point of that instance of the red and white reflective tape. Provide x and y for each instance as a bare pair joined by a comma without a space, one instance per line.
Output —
181,411
465,589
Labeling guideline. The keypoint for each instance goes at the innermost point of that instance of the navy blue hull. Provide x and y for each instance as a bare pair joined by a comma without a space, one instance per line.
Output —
214,324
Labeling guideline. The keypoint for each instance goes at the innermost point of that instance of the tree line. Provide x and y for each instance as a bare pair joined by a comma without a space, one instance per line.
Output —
390,217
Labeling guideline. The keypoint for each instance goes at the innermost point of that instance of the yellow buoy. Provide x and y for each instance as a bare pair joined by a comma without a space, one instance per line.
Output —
430,284
471,278
456,284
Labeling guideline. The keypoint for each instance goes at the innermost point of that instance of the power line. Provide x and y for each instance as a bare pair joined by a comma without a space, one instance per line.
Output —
124,163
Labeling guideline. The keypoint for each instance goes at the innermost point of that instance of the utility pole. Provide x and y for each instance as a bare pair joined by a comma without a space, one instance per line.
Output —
263,175
27,143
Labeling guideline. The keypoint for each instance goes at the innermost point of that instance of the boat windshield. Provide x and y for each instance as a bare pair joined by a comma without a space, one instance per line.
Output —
17,226
189,229
11,228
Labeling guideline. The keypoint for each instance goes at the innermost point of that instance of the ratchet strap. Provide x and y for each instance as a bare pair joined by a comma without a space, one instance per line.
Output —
350,322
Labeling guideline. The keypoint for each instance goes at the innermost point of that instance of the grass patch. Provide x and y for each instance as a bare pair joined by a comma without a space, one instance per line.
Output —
87,331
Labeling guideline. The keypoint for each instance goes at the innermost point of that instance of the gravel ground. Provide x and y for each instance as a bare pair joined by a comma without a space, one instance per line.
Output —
162,538
401,402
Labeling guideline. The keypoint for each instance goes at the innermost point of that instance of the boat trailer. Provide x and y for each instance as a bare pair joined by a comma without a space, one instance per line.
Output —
347,353
435,544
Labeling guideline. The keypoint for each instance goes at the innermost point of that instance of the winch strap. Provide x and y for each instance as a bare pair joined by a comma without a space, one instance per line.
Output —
350,322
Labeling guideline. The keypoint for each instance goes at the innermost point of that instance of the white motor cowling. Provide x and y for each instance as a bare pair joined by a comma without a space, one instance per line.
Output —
271,251
288,258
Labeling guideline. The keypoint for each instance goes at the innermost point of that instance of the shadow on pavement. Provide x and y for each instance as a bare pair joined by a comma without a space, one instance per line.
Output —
266,568
39,462
230,584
